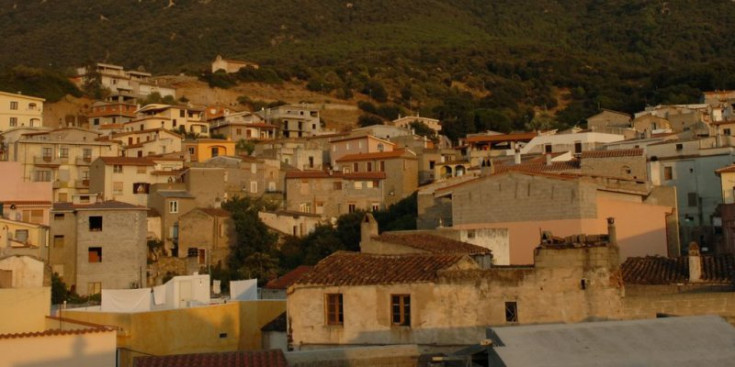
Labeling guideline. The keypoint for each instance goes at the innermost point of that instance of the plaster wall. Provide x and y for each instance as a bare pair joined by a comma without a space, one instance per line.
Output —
97,348
24,309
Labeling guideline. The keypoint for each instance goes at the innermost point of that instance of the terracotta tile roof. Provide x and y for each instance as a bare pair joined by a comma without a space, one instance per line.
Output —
110,204
664,270
352,268
256,358
127,161
728,169
635,152
215,212
538,166
501,137
431,243
338,175
370,156
284,281
56,332
25,202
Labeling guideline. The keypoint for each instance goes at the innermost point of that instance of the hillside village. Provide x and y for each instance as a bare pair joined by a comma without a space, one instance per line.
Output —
132,213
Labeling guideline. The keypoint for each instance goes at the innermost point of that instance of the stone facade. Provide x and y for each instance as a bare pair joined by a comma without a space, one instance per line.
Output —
400,167
103,246
331,194
567,284
206,235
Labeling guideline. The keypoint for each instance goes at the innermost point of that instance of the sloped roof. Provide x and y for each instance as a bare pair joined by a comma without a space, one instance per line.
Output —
664,270
127,161
431,243
284,281
500,137
215,212
346,176
110,204
352,268
635,152
376,155
257,358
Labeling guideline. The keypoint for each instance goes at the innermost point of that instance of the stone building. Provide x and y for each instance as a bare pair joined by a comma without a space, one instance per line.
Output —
609,121
400,167
98,244
331,194
448,299
128,179
242,176
205,236
525,203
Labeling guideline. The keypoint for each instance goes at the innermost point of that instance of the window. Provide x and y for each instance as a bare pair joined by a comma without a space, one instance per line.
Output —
191,150
358,185
33,216
141,187
95,254
63,197
355,167
42,176
87,154
253,187
94,288
547,148
59,216
728,132
471,233
117,187
335,312
382,166
46,152
13,121
84,199
351,208
215,151
375,207
311,162
337,185
668,173
63,152
511,312
253,168
95,224
679,147
271,186
117,168
578,147
13,105
173,206
692,199
58,241
21,235
400,306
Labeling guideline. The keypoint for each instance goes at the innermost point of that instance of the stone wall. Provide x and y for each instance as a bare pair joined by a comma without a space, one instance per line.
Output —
643,302
567,285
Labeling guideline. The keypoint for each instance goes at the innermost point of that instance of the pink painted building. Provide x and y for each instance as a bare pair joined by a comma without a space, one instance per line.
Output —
23,200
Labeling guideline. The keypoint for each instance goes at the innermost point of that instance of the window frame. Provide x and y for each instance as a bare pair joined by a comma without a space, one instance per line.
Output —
511,312
96,227
334,309
173,206
400,310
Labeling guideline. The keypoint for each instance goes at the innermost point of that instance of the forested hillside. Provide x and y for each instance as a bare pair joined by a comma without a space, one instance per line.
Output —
477,64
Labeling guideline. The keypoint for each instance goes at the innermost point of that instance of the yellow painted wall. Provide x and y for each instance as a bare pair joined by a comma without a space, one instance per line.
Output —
189,330
24,309
88,349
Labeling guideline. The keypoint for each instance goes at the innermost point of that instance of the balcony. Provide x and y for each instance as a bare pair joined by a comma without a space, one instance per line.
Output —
49,161
60,184
84,161
81,184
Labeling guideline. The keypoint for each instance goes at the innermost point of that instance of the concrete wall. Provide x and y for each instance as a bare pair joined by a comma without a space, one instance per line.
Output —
27,271
461,304
124,249
93,348
218,328
24,309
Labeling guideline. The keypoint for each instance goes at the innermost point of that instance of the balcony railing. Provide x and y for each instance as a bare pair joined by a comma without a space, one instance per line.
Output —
52,161
81,183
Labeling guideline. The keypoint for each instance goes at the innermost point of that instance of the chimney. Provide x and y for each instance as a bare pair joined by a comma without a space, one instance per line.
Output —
695,263
517,156
548,159
612,233
368,228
